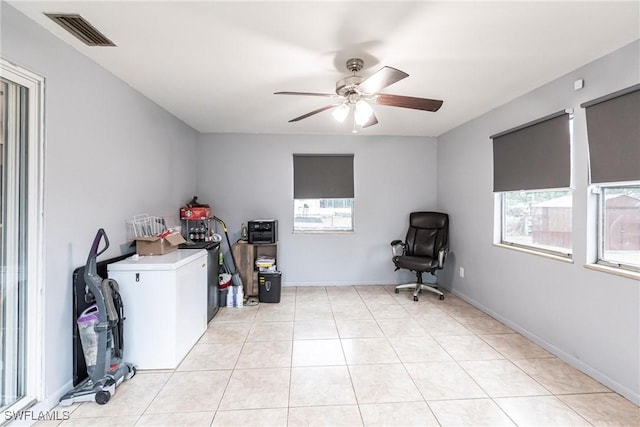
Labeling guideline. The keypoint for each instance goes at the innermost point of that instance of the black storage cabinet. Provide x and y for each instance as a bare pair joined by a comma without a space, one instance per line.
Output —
269,286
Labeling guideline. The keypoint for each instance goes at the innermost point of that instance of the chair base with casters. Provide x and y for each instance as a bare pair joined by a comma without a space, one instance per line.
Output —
418,287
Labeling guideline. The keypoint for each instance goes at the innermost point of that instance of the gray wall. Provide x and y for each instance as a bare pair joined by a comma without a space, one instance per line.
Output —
589,318
110,154
98,131
246,176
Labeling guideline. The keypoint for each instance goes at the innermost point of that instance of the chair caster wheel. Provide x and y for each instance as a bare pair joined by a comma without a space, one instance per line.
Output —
441,297
415,298
397,291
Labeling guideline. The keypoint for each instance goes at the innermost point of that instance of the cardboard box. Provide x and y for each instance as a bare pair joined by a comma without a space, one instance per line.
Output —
154,245
195,213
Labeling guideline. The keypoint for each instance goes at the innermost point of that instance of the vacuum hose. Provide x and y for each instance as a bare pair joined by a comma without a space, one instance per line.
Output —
224,226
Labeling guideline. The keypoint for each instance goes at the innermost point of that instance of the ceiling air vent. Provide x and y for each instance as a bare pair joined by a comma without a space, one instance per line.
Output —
80,28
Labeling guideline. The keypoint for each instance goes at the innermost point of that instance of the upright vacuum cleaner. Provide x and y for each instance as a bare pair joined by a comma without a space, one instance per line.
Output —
100,327
235,276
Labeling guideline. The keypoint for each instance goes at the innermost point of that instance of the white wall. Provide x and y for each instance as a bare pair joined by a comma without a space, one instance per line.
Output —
590,319
110,153
246,176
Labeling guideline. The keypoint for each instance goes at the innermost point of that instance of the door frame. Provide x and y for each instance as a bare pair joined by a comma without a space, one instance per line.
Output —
35,356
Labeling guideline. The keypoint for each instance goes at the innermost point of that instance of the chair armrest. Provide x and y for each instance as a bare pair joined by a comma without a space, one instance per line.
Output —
442,256
397,248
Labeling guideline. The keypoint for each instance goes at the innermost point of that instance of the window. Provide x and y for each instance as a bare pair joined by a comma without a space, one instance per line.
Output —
532,176
613,131
323,215
538,219
619,226
323,192
20,235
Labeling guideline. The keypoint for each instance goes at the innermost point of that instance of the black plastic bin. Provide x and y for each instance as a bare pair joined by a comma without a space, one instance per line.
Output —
269,286
222,297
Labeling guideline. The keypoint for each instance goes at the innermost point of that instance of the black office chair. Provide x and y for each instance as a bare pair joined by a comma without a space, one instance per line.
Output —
424,249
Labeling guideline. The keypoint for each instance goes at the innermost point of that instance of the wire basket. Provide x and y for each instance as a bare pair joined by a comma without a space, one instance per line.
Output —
146,225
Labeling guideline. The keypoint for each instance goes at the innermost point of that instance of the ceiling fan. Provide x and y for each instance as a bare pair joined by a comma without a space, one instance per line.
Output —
357,93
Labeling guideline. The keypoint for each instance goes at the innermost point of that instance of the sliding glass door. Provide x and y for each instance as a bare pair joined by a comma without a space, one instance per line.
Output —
20,237
12,250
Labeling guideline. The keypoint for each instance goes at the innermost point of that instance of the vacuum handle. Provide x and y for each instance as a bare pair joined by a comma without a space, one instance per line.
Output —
93,253
91,278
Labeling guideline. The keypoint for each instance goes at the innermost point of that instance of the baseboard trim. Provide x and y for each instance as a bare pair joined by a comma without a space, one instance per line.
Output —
350,283
559,353
52,400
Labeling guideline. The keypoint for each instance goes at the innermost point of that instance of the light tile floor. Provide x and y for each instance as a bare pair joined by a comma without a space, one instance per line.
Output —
361,355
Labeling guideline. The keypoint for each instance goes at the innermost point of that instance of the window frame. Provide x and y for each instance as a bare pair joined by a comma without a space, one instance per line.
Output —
600,260
500,221
536,130
34,322
325,230
319,177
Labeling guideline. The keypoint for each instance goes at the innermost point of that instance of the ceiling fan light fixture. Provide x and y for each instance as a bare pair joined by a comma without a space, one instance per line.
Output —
362,112
357,93
340,113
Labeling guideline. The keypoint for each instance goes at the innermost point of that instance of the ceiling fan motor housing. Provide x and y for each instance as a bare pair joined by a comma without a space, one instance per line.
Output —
347,86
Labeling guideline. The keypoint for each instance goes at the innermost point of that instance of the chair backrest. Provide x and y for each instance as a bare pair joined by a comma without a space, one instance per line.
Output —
428,233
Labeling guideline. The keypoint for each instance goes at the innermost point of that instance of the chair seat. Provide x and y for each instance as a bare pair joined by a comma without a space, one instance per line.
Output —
415,263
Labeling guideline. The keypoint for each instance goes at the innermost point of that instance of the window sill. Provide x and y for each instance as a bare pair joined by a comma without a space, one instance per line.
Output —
534,252
613,270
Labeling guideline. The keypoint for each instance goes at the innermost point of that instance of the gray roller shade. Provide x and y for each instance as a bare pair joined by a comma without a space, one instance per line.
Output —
323,176
534,156
613,126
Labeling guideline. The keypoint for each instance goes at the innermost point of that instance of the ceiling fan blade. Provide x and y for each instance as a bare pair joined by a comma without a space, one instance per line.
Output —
408,102
329,95
319,110
373,120
382,78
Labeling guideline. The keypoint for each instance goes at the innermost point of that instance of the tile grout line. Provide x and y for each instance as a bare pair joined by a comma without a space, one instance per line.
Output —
363,297
344,355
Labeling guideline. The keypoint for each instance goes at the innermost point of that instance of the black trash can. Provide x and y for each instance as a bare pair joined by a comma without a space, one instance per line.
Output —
224,281
269,286
222,297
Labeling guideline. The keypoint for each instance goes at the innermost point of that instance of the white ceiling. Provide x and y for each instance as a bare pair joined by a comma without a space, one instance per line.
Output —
216,64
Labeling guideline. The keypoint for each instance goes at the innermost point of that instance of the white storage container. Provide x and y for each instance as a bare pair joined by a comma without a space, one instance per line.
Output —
165,308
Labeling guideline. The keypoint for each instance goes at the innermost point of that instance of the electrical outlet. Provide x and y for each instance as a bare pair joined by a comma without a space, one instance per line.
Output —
461,271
